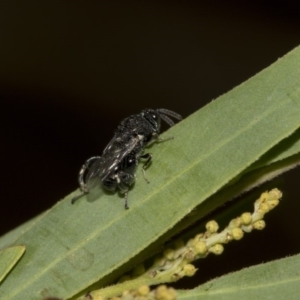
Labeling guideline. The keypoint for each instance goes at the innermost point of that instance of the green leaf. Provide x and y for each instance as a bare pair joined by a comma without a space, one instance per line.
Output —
71,247
8,258
274,280
10,237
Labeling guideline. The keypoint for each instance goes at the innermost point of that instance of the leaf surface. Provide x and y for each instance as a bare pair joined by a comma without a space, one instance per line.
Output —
278,280
72,246
8,258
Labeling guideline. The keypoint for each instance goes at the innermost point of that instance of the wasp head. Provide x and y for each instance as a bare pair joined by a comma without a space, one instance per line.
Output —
154,116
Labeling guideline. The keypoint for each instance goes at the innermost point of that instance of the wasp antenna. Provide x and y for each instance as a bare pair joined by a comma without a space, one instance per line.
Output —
170,113
167,119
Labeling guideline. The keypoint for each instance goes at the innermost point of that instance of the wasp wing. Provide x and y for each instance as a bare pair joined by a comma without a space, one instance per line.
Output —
92,180
114,153
94,168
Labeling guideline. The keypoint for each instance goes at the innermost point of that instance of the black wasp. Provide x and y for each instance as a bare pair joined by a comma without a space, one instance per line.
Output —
116,167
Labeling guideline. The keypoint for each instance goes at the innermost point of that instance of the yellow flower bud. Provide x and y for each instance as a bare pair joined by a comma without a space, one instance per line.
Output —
169,254
217,249
259,225
161,292
143,290
264,197
235,223
264,207
237,233
201,248
274,194
212,226
273,203
198,236
246,218
171,294
164,293
189,270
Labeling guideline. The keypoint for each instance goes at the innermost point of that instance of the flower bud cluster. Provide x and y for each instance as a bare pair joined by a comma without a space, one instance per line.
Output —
162,292
177,261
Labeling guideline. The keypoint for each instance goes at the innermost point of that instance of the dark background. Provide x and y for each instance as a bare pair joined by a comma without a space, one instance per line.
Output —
71,70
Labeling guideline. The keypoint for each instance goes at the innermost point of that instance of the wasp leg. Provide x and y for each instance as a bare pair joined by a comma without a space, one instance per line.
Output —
148,158
77,197
165,139
126,200
156,139
82,185
124,181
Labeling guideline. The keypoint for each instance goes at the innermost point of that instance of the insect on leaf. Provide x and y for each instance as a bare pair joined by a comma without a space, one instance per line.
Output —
74,246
